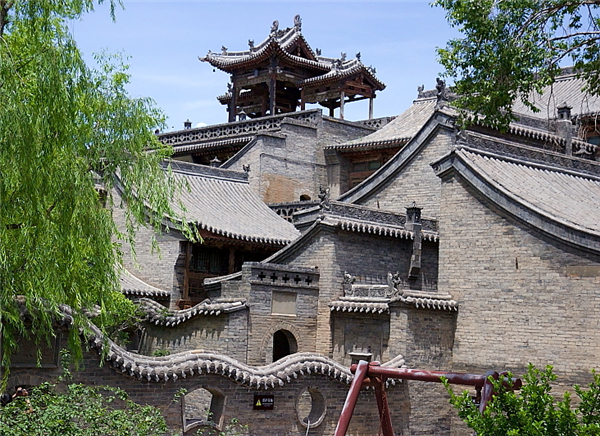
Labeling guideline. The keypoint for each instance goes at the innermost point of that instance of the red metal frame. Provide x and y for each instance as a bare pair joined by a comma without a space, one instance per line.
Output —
372,374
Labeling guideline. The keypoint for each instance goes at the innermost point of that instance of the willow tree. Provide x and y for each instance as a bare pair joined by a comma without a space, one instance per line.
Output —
512,49
65,129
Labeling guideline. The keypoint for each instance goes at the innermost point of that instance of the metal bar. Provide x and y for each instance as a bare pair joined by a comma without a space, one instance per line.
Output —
374,375
435,376
384,410
360,373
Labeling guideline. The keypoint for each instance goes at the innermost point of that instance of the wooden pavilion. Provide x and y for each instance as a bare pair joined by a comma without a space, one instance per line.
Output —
283,73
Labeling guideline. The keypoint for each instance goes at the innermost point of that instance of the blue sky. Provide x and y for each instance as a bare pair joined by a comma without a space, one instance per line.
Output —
164,39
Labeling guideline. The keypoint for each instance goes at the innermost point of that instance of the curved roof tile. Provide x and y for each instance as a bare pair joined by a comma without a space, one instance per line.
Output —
134,287
222,202
562,195
398,131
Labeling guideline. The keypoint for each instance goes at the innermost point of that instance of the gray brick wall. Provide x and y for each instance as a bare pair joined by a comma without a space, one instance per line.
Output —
518,303
157,268
416,182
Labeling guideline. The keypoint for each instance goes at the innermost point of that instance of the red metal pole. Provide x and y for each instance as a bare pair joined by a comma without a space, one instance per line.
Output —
382,403
346,415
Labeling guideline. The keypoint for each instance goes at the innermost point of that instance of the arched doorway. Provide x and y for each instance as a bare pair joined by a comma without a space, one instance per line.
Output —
284,344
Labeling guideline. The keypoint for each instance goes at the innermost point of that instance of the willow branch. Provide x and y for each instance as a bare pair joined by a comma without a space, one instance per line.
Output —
5,6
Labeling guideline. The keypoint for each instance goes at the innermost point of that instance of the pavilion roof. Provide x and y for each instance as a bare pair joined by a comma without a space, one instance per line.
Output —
282,43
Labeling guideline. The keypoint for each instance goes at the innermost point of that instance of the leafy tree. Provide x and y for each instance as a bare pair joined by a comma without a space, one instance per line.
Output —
79,411
534,411
65,129
513,48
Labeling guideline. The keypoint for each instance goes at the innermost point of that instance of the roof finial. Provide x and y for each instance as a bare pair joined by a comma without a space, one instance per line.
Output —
420,90
358,56
318,50
343,57
298,23
224,49
441,92
274,27
251,44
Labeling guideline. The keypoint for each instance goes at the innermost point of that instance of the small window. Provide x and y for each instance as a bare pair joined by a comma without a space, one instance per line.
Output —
310,407
305,197
202,407
209,260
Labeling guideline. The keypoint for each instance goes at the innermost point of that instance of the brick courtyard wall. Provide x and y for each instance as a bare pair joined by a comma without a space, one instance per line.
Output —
523,297
360,332
225,334
415,183
239,400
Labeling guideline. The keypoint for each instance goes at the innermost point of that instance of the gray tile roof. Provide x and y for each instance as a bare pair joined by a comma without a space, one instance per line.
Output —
363,219
159,315
567,88
399,131
565,196
359,306
222,202
427,300
134,287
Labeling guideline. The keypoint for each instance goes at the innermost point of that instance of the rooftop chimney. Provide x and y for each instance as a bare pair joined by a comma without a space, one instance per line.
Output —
564,126
564,111
413,224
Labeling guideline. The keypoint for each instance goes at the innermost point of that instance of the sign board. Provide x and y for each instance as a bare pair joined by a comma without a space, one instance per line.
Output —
263,402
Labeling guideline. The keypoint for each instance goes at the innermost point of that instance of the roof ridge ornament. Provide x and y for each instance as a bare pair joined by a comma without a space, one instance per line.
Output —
358,57
442,93
324,197
343,57
251,44
274,28
224,49
298,23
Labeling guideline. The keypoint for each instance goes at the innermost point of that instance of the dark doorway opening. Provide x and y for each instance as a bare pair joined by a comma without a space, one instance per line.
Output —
284,344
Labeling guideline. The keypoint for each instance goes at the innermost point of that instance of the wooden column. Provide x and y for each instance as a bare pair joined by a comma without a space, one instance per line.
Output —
264,106
273,86
342,98
233,104
302,104
371,107
231,268
186,271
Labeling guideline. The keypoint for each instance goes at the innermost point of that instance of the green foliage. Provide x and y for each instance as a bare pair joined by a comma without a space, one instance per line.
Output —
533,411
80,410
64,129
124,318
233,428
512,48
161,352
